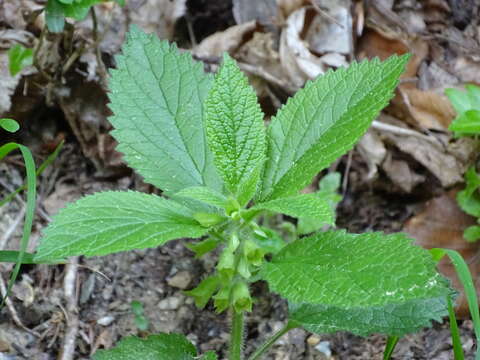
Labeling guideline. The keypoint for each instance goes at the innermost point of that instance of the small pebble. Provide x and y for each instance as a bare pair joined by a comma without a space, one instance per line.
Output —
313,340
170,303
180,280
324,348
106,320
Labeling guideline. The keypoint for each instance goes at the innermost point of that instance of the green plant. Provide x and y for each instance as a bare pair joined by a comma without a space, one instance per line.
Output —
141,321
18,58
57,10
202,141
467,123
22,257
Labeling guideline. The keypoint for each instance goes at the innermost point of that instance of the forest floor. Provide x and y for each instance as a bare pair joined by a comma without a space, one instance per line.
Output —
389,179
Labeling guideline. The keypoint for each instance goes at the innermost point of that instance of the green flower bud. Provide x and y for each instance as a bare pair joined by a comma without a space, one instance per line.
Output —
240,297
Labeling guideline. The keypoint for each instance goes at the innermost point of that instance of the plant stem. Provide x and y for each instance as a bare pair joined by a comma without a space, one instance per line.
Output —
236,336
267,344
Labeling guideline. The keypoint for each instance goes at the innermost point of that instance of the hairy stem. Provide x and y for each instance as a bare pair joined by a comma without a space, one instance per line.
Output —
236,336
269,342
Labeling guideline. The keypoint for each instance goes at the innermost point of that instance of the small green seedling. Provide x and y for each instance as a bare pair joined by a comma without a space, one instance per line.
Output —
140,320
467,123
202,141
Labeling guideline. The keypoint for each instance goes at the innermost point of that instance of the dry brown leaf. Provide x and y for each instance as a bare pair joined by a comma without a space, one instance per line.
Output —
401,174
265,11
373,152
441,224
298,62
331,30
430,109
158,16
445,166
225,41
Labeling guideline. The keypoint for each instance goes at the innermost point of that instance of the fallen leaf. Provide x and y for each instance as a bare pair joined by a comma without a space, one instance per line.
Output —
373,152
298,62
401,174
429,109
228,41
441,224
445,166
331,30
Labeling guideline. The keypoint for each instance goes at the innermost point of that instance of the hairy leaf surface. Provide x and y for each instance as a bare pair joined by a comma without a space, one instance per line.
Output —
235,130
112,221
204,194
354,270
155,347
324,120
315,206
392,319
157,97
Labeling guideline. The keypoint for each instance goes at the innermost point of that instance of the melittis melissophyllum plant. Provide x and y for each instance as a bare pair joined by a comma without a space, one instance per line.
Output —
201,139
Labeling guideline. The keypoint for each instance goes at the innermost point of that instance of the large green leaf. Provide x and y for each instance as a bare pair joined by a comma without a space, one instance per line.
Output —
315,206
393,319
235,130
323,121
114,221
157,96
354,270
155,347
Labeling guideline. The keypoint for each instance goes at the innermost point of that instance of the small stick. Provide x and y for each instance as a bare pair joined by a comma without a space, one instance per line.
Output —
12,311
378,125
69,288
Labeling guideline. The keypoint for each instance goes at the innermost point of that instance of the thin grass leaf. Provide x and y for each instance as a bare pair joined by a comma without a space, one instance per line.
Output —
30,212
50,159
456,341
471,294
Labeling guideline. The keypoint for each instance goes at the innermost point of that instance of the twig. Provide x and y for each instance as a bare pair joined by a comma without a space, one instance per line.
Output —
69,287
12,311
8,233
402,131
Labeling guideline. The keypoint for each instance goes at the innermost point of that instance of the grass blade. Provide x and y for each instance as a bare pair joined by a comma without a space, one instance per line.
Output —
51,158
470,293
30,212
457,342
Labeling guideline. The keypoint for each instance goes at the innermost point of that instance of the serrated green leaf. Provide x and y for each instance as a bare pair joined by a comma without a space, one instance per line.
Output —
268,240
393,318
354,270
154,347
9,125
18,58
316,206
472,233
469,198
112,221
328,185
235,130
204,194
323,121
157,96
